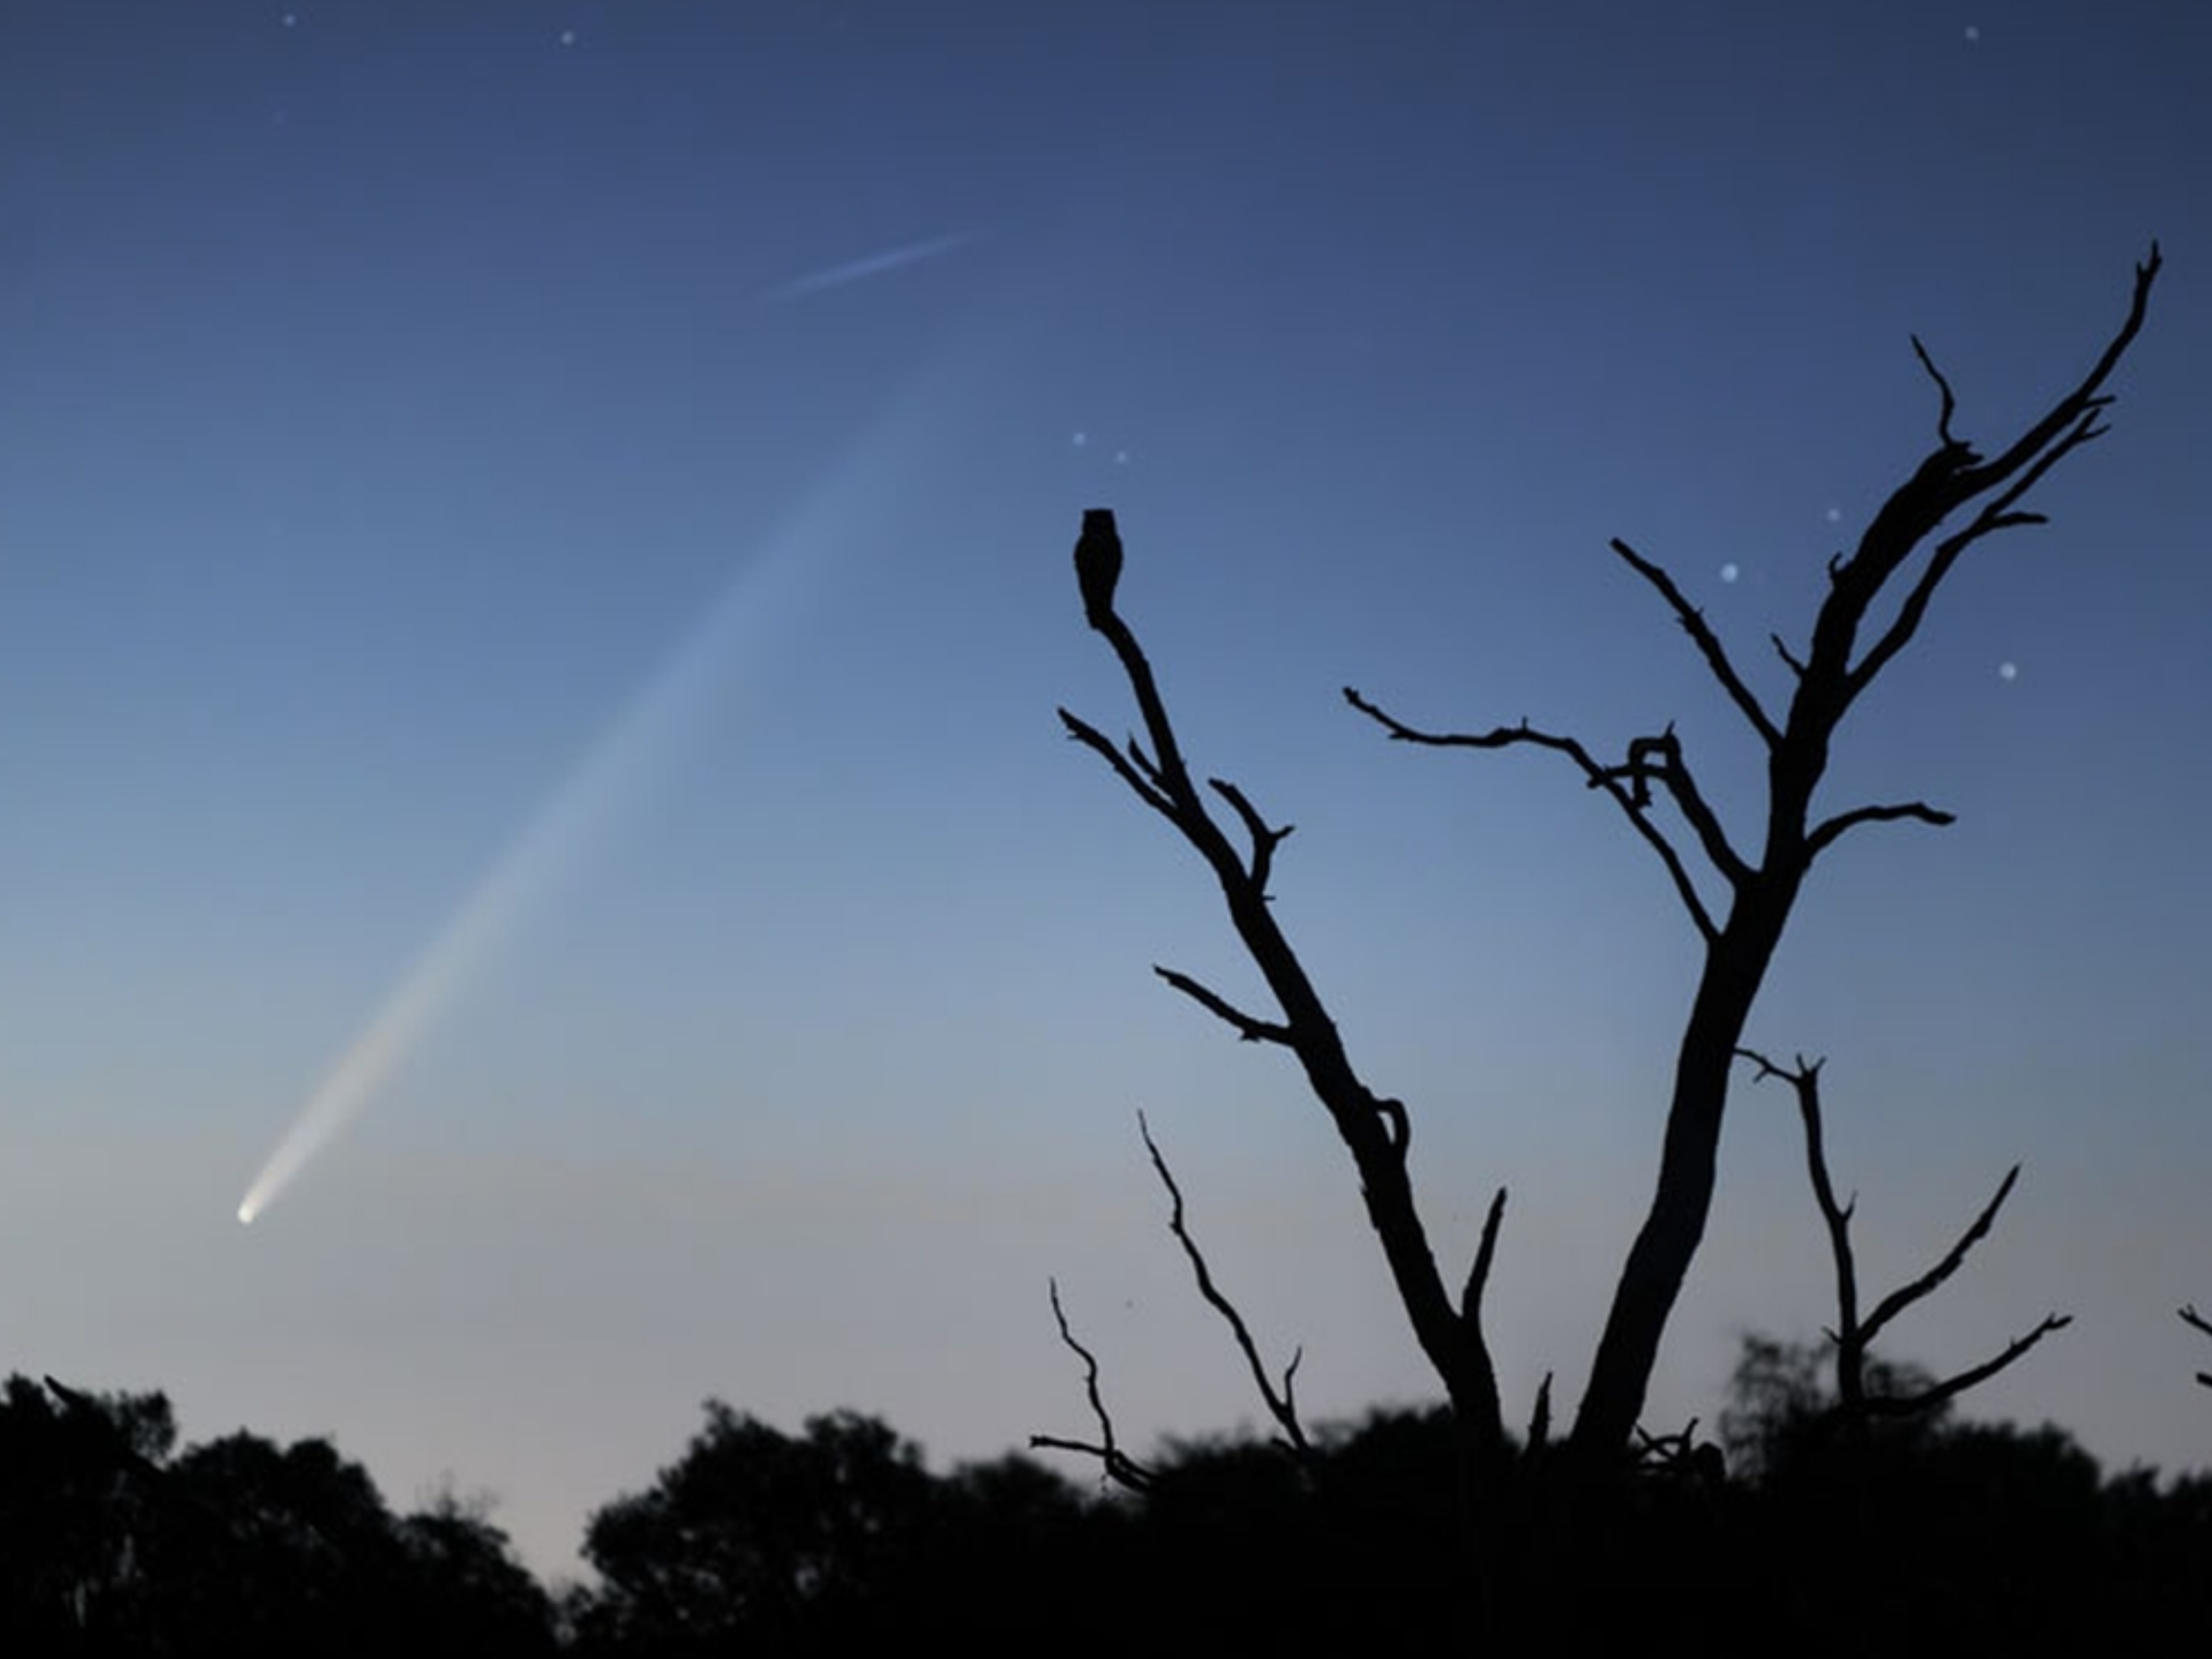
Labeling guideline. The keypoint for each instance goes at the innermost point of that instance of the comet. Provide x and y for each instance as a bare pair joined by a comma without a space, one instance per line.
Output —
866,492
612,771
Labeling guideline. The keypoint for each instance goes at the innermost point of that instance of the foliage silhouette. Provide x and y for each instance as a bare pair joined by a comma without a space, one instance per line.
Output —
838,1540
110,1544
1852,1530
754,1533
828,1541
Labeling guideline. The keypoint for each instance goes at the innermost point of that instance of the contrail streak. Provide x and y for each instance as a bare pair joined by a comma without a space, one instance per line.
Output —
856,271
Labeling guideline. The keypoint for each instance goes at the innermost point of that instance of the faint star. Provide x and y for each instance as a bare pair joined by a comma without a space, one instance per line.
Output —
2007,671
1972,33
1729,572
1081,438
567,36
291,20
1121,458
1835,515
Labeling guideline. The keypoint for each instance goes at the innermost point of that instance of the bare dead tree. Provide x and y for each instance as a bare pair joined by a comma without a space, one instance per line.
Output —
1954,499
1852,1334
1902,558
2197,1321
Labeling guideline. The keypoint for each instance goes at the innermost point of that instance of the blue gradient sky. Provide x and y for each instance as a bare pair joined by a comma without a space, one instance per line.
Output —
391,395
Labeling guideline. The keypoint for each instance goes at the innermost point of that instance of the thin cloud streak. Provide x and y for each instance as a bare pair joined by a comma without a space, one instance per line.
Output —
856,271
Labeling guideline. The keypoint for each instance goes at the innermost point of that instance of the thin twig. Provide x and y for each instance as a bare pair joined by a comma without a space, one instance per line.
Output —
1540,1420
1141,780
1905,1295
1598,777
1249,1029
1265,840
2197,1321
1950,403
1927,1398
1690,801
1478,1276
1118,1464
1836,1217
1283,1405
1708,643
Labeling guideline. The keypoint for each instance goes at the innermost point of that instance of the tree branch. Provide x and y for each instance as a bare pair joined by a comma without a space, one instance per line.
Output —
1283,1404
1825,832
1949,477
1139,778
1920,1288
1145,763
1950,403
1836,1217
1993,516
1118,1465
1690,801
1852,1335
2084,396
1478,1276
1950,1388
1264,839
1373,1129
1708,643
2197,1321
1608,779
1249,1029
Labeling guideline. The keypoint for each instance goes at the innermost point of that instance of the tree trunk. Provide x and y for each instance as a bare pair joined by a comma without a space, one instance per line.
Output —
1659,1260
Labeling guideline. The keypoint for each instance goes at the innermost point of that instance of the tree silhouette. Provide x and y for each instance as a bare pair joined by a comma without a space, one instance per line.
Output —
110,1545
79,1504
1783,1404
1920,1531
836,1541
1738,891
466,1586
296,1552
757,1534
1860,1395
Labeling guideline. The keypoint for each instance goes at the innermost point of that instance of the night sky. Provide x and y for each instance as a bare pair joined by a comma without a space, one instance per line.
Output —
559,514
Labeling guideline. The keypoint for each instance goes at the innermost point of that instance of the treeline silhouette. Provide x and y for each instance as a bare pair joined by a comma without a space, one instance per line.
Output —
1798,1528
